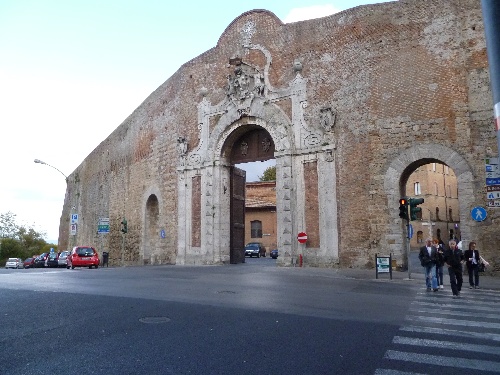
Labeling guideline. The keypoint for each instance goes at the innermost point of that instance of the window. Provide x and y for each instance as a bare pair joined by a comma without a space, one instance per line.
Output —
434,167
420,236
446,169
416,185
437,213
450,212
436,190
448,191
256,229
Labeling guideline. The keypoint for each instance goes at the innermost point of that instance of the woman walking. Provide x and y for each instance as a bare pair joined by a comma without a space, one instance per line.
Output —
439,262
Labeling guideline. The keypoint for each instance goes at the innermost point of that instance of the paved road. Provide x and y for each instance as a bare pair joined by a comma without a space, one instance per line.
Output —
252,318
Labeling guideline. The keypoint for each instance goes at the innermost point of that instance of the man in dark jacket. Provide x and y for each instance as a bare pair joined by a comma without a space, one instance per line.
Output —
453,257
428,259
472,260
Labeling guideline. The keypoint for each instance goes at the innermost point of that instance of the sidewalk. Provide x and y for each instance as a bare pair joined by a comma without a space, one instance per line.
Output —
416,276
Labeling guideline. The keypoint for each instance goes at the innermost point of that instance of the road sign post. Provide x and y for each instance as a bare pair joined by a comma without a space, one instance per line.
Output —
302,237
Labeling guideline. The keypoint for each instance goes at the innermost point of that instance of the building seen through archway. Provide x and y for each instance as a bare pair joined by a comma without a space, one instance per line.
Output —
440,215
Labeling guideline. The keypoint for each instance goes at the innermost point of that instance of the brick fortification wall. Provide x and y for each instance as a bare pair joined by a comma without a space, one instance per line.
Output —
401,78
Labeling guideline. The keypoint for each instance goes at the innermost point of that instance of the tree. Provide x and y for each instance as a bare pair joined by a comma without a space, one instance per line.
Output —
8,225
269,174
18,241
31,241
10,248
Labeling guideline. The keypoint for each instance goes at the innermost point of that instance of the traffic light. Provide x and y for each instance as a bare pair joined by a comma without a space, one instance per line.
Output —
124,226
403,208
414,210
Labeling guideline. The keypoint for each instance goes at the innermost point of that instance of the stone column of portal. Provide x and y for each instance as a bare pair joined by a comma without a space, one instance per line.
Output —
491,17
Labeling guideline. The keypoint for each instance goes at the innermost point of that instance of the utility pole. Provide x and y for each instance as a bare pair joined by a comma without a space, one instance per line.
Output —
491,17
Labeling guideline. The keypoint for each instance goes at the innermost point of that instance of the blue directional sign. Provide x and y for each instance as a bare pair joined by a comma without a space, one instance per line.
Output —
410,231
492,181
162,233
478,213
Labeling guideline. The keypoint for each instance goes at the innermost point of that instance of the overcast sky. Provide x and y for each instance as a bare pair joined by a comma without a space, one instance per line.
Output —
72,70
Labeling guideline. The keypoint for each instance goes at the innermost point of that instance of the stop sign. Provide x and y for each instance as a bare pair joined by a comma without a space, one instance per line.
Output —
302,237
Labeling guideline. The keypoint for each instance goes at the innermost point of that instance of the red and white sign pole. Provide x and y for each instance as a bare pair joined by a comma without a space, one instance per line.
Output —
302,238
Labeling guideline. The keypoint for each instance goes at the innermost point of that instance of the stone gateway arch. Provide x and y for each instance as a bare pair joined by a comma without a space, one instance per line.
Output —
348,105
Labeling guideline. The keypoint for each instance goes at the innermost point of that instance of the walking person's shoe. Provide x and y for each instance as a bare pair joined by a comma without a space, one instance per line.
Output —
441,286
477,287
471,287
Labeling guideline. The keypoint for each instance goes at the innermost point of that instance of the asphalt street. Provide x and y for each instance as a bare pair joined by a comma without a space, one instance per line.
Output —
253,318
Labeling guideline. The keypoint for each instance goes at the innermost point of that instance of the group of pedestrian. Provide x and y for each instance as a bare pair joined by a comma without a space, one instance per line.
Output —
433,257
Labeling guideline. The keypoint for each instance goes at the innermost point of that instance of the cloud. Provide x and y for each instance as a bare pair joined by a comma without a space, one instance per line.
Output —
307,13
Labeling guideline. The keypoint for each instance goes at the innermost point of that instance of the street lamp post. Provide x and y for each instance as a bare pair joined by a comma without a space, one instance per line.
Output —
38,161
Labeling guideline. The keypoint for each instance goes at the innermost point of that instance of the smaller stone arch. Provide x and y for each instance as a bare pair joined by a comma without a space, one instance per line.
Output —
400,169
151,228
151,246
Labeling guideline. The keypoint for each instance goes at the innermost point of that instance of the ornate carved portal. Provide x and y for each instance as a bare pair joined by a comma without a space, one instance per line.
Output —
251,126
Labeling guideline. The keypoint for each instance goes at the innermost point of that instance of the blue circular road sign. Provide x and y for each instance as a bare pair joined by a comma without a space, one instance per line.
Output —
478,213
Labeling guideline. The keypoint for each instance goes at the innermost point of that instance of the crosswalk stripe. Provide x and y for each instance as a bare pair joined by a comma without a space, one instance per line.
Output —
457,307
463,302
475,364
459,313
455,322
383,371
452,332
447,345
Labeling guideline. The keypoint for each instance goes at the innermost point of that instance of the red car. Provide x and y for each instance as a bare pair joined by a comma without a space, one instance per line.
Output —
30,262
82,256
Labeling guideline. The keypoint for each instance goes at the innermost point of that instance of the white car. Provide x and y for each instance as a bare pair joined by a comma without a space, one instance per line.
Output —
14,263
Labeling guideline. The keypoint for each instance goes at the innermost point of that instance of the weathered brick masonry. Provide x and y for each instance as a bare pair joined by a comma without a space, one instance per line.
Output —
363,96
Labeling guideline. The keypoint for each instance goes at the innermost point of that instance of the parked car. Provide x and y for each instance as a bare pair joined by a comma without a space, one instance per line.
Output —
274,253
62,260
53,259
14,263
40,261
255,248
29,263
83,256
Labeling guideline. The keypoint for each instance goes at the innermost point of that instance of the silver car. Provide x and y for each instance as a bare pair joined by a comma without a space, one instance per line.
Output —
14,263
62,260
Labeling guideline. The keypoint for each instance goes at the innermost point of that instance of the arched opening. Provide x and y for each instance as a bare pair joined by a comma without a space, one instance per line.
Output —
438,186
151,229
253,210
440,210
395,184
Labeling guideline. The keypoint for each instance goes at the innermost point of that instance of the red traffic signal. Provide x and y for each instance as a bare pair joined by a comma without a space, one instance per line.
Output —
403,208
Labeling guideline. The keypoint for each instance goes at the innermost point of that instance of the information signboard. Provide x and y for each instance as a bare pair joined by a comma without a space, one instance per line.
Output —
103,225
383,264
